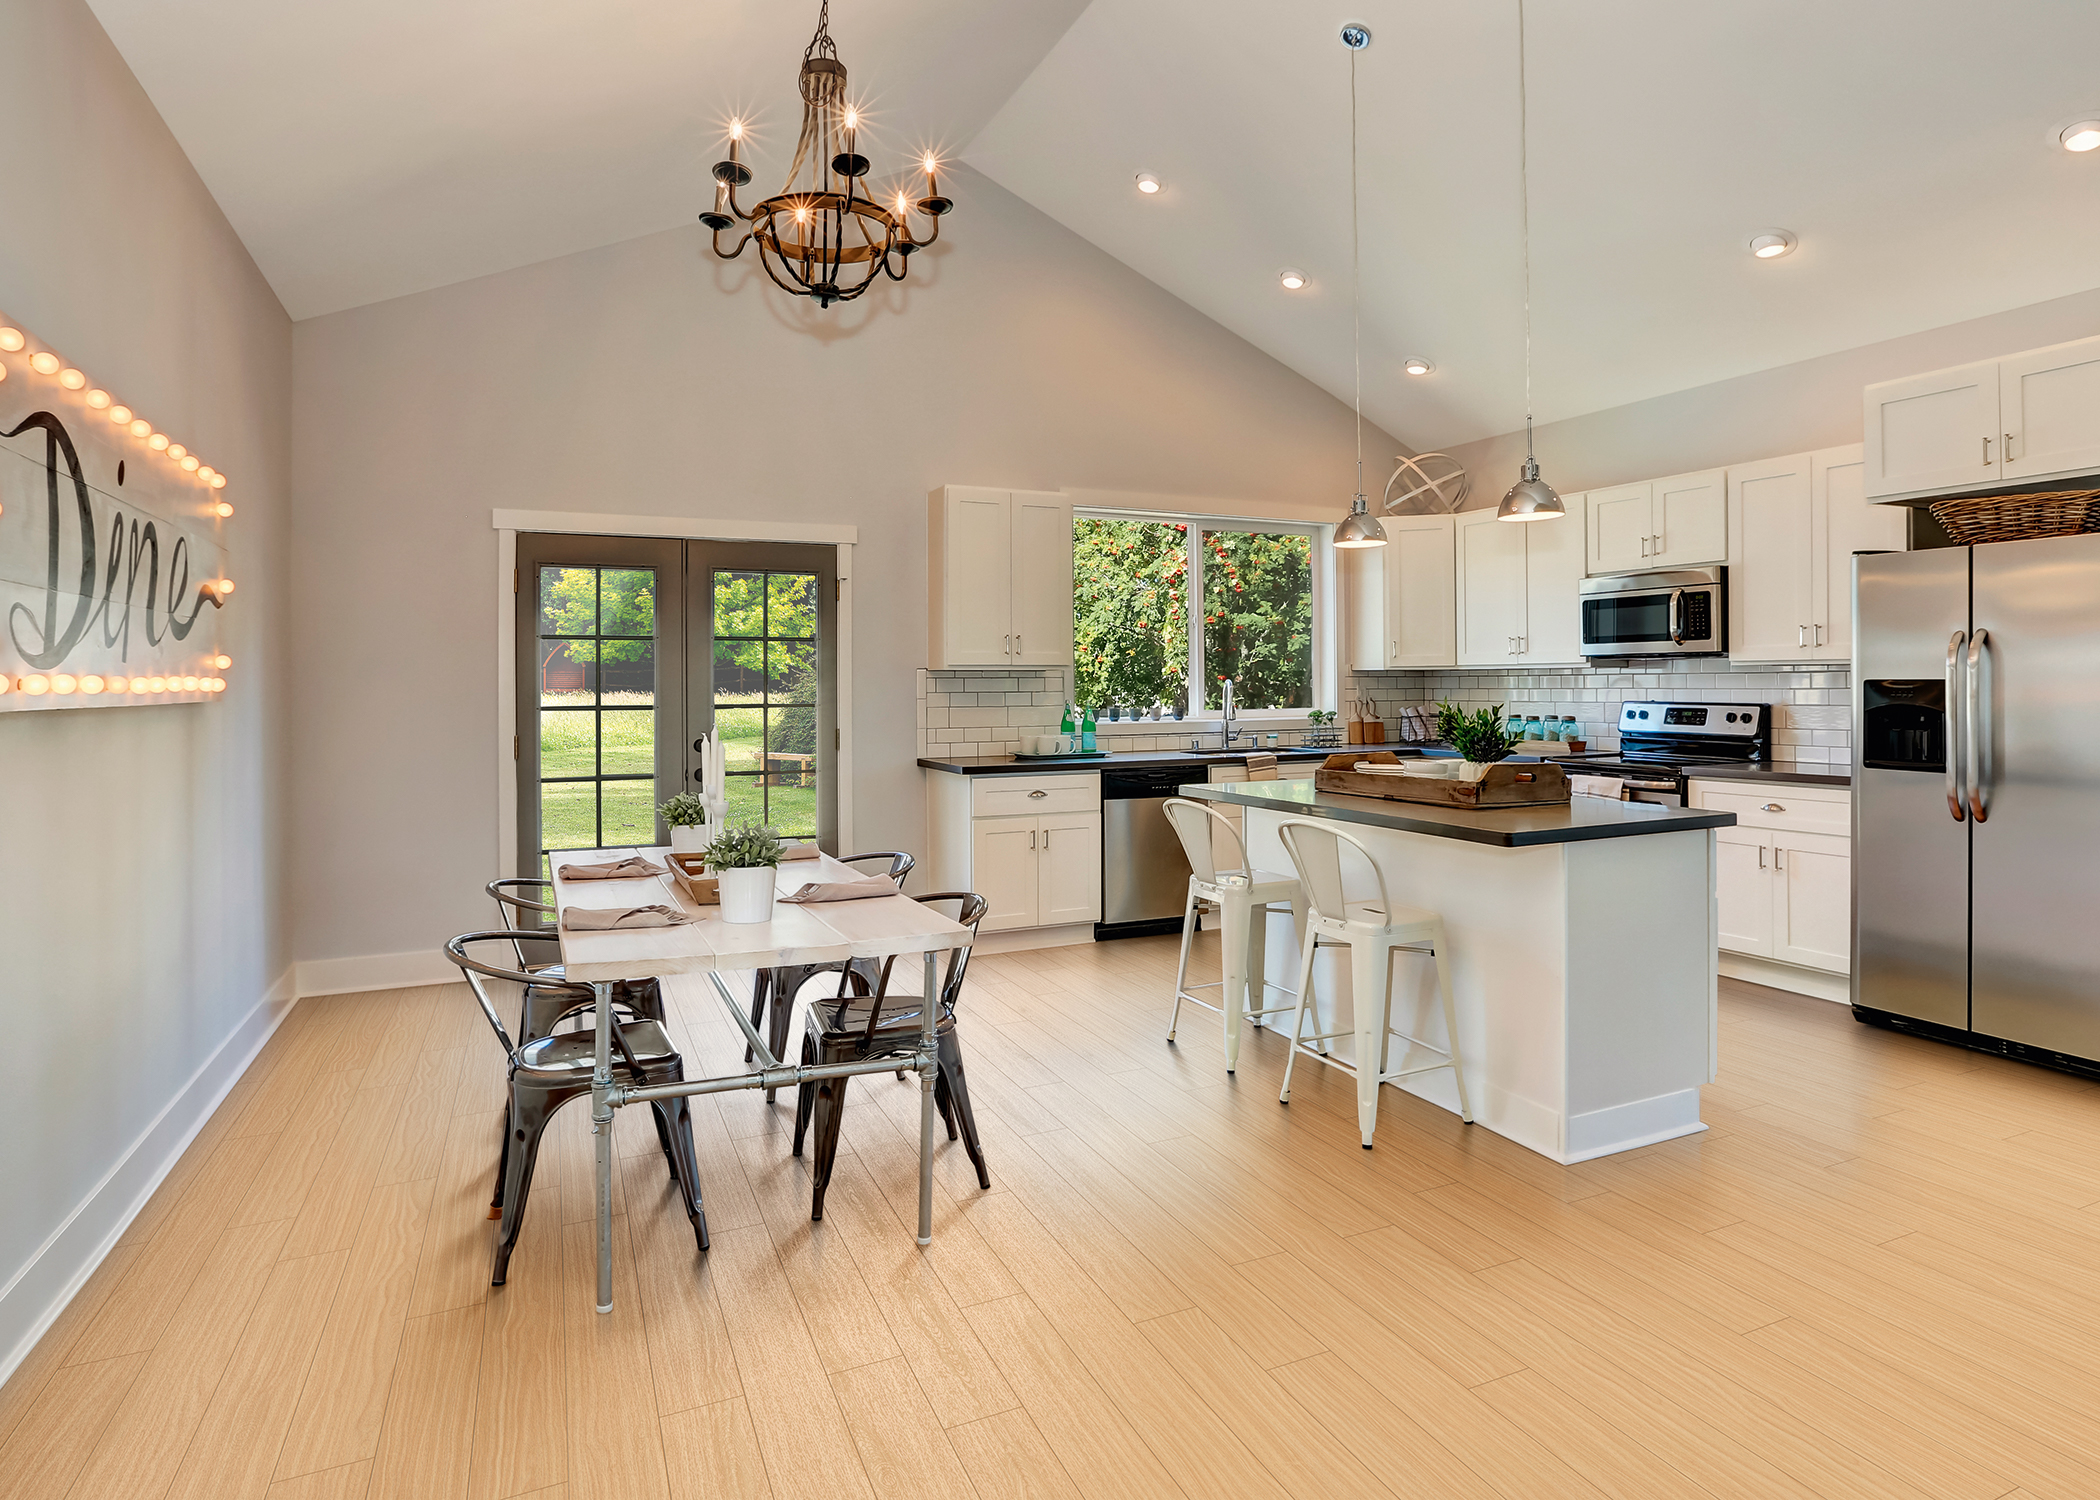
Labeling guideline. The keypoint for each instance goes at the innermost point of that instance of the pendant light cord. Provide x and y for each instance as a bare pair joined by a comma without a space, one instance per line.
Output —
1524,215
1356,293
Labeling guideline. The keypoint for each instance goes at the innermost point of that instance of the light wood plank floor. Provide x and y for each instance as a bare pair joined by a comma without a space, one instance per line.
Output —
1872,1277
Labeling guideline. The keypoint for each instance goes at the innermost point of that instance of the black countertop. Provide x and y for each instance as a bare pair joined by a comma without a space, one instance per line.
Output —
1775,772
1123,760
1572,822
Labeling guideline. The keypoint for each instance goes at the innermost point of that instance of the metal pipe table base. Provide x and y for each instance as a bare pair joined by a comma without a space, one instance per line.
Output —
607,1096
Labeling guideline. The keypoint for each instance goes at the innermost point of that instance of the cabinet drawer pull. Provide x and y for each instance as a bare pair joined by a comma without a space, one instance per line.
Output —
2005,452
1986,453
1771,807
1760,856
1038,792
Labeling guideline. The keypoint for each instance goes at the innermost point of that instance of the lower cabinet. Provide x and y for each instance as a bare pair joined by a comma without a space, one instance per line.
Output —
1030,845
1784,872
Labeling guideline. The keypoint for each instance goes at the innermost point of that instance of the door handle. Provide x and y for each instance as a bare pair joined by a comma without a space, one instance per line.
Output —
2005,450
1819,635
1976,729
1017,643
1950,746
1804,637
1677,616
1006,645
1644,546
1777,862
1986,453
1031,838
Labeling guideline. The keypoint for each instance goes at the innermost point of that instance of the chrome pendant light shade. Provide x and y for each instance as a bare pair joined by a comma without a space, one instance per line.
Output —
1359,528
1530,498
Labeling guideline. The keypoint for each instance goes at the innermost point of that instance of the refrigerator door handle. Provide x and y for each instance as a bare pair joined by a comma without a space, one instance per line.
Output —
1975,730
1952,745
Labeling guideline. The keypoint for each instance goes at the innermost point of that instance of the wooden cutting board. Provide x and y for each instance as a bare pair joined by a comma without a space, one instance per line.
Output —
1505,785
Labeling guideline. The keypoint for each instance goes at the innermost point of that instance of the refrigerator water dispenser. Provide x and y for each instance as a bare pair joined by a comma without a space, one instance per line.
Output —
1906,724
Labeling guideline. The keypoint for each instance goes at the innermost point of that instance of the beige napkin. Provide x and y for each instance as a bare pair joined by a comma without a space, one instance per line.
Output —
606,918
634,867
1261,767
844,890
798,851
1612,788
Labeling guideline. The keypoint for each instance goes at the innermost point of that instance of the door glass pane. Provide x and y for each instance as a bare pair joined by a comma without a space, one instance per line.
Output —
1257,618
765,696
597,721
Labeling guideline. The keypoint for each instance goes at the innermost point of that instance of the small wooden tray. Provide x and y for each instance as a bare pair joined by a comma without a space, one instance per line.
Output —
1505,785
690,872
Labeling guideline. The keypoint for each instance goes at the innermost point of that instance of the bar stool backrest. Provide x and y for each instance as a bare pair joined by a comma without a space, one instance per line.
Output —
1193,823
1315,849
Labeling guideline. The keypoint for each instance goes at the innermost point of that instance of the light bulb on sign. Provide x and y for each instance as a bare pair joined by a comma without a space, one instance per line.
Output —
6,682
176,450
223,509
98,399
91,685
44,362
156,684
205,472
222,585
218,482
139,684
189,684
64,682
72,380
140,427
11,340
158,442
222,661
189,462
121,415
36,684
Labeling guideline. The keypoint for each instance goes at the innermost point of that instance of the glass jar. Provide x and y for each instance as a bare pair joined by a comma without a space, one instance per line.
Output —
1533,730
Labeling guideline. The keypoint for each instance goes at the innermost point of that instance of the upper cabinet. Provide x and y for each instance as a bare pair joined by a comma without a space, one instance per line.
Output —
1517,589
2003,421
1401,596
1680,522
1000,578
1796,523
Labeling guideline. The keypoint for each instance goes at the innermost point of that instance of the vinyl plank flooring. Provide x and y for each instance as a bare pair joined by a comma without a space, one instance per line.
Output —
712,1454
426,1446
1007,1459
347,1483
901,1445
690,1357
521,1416
615,1443
58,1430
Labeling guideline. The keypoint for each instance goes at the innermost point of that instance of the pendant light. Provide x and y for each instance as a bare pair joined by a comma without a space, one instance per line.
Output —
1359,528
1530,498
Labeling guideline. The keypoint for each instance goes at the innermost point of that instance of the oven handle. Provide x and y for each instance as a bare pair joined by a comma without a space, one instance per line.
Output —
1677,616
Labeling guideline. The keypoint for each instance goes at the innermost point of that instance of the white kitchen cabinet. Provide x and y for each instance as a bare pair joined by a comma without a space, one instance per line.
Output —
1006,865
1784,872
1812,900
1029,844
999,573
1402,596
1796,522
1517,582
1934,433
2049,408
1743,879
1679,522
1068,880
1552,589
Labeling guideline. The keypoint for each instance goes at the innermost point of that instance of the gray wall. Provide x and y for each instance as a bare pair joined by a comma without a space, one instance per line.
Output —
648,378
1793,409
143,850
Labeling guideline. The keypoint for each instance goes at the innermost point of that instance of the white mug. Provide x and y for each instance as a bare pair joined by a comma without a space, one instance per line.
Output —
1042,744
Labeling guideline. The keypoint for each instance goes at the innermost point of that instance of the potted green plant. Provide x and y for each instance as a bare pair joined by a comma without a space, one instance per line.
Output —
743,858
1480,738
687,816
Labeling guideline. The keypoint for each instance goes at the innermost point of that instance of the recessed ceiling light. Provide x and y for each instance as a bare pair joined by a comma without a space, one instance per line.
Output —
1417,366
1772,244
1147,183
2083,136
1291,277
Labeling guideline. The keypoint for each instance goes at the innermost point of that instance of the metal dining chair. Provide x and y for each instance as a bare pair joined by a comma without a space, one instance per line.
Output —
784,982
852,1028
550,1000
553,1071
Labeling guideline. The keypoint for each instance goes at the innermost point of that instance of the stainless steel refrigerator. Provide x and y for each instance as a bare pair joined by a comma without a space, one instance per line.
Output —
1976,811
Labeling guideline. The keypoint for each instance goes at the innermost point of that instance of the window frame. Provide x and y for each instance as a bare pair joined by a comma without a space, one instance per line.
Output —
1326,690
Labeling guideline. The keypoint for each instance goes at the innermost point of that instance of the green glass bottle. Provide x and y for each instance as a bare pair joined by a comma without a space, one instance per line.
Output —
1086,731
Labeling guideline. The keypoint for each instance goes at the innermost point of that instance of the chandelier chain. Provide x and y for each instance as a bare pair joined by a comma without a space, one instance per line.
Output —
821,45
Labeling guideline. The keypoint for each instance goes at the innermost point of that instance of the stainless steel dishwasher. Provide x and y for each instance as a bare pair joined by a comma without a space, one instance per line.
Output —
1144,874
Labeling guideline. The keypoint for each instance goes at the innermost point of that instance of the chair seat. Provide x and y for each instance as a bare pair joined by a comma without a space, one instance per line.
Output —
1262,885
837,1020
1368,919
572,1052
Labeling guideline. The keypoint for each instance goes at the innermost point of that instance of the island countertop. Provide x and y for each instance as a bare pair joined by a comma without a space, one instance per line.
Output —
1577,821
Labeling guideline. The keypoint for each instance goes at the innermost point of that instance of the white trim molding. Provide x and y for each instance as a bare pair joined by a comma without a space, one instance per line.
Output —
681,528
39,1292
374,971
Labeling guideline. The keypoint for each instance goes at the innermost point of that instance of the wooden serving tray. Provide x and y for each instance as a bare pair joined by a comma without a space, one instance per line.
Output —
690,872
1505,785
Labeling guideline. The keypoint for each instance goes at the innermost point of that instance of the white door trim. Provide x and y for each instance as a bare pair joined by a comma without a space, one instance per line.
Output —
509,523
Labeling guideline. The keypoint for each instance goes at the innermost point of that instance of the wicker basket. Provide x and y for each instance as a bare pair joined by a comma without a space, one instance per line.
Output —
2017,518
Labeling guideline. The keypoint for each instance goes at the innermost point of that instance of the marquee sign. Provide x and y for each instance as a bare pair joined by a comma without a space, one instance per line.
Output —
112,547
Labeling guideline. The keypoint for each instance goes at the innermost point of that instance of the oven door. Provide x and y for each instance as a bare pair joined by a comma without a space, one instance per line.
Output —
1654,614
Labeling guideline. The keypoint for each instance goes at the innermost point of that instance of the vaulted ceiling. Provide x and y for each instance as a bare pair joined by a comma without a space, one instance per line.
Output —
364,152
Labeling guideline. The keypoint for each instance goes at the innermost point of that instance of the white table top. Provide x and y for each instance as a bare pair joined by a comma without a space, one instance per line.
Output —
824,933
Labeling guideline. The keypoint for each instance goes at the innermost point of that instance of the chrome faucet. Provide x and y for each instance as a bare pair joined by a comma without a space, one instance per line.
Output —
1228,729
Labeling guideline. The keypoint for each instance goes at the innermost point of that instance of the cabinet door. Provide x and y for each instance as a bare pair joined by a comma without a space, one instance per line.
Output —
1552,605
1769,605
1843,521
1620,523
1042,581
1933,432
2049,400
1005,865
972,607
1369,640
1070,882
1491,587
1743,881
1422,592
1812,900
1691,520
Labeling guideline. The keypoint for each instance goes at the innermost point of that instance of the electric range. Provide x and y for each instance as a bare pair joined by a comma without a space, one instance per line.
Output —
1662,745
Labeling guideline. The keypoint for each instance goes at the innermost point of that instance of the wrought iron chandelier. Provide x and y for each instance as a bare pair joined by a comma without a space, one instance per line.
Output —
823,235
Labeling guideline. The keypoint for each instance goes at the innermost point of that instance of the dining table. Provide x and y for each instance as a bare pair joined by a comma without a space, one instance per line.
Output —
878,927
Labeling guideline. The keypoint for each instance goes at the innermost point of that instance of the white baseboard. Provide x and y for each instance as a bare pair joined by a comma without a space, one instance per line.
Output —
374,971
39,1292
1818,984
1020,939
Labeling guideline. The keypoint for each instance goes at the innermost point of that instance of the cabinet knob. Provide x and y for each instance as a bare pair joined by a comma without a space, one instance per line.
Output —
1038,792
1771,807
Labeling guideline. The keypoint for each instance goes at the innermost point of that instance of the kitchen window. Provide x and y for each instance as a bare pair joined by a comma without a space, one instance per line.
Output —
1160,602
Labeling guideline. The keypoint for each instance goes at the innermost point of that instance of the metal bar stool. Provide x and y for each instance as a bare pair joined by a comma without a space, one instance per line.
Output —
784,982
1244,897
1372,934
550,1072
549,1000
852,1028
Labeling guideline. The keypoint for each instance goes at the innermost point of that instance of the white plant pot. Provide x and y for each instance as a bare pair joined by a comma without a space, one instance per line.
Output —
690,838
747,895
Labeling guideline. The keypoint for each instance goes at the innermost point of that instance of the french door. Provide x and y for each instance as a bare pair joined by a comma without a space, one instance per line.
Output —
629,649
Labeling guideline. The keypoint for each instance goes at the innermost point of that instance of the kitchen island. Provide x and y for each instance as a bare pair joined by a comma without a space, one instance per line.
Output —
1583,953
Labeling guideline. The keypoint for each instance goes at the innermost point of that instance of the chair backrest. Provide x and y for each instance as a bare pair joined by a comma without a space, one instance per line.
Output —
900,863
474,971
521,913
969,911
1315,849
1195,824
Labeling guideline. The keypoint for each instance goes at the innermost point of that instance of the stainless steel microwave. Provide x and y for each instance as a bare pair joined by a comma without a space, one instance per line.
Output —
1679,612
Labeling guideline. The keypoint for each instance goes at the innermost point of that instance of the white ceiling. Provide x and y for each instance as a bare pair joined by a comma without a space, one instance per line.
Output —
363,152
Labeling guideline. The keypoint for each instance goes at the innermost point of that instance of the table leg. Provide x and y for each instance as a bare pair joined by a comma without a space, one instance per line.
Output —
602,1132
928,1011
